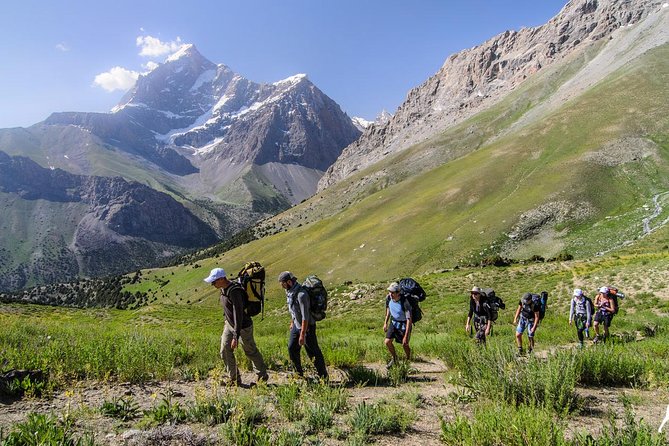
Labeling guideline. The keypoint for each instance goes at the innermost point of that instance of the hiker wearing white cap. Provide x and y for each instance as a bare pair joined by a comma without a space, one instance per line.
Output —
580,313
606,308
480,310
238,328
397,323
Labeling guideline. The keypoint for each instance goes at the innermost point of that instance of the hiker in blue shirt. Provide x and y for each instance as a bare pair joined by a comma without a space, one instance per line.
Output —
397,324
580,313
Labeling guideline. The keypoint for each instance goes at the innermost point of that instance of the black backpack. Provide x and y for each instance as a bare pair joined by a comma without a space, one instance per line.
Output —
495,303
411,291
252,280
318,297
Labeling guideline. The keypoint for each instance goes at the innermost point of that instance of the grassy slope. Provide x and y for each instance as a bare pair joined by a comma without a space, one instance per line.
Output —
405,228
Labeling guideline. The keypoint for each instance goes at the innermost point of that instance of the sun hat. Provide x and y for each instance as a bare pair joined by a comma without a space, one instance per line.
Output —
394,287
604,290
215,274
578,292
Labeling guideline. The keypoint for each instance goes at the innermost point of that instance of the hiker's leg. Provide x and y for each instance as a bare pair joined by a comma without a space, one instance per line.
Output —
579,332
228,355
391,347
407,351
314,352
596,325
519,333
252,352
294,350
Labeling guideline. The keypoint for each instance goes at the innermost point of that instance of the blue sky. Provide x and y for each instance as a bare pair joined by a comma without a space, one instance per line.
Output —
365,54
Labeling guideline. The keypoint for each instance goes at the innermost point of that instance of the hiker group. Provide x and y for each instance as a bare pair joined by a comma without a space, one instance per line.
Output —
484,306
243,297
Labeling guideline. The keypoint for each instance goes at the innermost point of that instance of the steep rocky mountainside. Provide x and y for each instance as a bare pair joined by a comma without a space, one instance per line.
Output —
114,225
475,79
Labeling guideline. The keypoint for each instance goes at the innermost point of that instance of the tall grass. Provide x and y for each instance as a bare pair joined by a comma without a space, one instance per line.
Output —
499,373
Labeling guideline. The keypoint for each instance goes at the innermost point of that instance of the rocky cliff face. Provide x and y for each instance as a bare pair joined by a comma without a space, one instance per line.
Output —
476,78
118,225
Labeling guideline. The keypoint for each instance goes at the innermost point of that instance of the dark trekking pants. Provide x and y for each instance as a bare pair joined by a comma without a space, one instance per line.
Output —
312,348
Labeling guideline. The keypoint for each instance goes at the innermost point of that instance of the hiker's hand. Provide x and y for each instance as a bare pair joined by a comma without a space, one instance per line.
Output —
487,332
569,322
467,327
385,326
233,343
291,326
587,326
302,338
405,341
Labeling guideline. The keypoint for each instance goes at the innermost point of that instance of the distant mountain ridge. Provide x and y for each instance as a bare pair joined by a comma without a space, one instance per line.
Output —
227,150
475,79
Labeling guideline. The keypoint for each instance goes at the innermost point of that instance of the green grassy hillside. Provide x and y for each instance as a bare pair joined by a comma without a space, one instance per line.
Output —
580,181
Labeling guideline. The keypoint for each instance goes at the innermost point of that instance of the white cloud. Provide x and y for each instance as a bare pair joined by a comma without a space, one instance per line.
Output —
150,66
118,78
62,46
154,47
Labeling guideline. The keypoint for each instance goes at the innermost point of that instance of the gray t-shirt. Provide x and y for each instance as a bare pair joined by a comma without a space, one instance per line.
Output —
298,305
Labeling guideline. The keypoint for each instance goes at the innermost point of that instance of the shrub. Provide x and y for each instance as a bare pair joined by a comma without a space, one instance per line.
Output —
501,424
41,429
124,409
287,401
399,373
379,418
211,411
361,375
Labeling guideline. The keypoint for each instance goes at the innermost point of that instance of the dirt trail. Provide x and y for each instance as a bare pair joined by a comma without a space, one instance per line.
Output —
426,392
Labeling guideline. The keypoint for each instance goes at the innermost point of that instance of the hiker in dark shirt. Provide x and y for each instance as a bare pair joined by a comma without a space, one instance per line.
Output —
397,323
480,311
238,328
605,309
527,317
302,326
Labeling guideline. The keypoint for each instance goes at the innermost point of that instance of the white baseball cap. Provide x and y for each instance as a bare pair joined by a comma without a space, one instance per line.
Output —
394,287
215,274
476,290
604,290
578,292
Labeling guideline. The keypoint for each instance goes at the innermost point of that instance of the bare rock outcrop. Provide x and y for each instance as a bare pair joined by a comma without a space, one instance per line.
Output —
476,78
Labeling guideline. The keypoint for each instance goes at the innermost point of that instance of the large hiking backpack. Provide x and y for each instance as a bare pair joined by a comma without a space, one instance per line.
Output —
616,296
411,291
495,303
541,300
252,279
318,297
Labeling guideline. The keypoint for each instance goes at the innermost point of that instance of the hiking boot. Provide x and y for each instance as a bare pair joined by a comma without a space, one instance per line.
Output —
529,351
262,378
390,363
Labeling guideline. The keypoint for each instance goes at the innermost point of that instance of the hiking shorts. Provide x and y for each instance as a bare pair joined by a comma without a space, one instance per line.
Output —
604,318
525,323
396,331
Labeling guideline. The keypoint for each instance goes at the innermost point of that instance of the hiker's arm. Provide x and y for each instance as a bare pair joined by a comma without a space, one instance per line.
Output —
536,321
469,316
588,315
303,301
515,318
386,320
487,327
237,312
612,304
407,330
571,312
